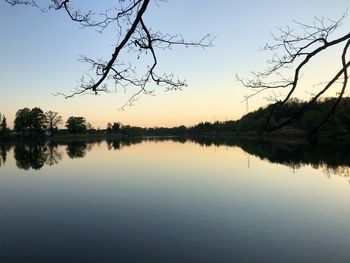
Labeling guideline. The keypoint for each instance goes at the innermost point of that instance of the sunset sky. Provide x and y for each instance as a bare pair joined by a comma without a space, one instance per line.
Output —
39,53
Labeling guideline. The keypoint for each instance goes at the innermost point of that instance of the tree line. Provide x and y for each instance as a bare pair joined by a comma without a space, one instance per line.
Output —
36,122
308,118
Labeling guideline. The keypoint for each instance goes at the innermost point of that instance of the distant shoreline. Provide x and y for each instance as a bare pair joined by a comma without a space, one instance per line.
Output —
63,137
299,137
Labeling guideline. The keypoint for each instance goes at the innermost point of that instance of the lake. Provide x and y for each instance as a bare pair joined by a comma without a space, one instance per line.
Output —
174,201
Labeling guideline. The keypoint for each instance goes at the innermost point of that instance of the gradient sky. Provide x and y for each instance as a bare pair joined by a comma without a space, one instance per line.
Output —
39,54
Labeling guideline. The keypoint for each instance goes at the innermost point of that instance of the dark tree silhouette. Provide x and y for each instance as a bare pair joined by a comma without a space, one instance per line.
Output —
53,119
135,38
293,51
22,121
30,122
113,128
3,125
37,120
76,125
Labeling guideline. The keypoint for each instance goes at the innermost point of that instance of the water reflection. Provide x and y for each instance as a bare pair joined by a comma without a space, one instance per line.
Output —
54,155
331,158
34,155
117,144
76,150
4,148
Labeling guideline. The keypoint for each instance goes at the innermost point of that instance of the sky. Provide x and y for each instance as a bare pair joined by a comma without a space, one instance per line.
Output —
39,56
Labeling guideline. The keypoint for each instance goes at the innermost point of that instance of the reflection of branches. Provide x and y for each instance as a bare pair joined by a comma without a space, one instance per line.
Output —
291,155
294,51
113,144
4,148
76,150
53,155
30,156
343,171
117,144
36,155
135,38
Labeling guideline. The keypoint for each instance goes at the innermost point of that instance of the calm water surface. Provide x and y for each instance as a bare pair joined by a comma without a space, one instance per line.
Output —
173,201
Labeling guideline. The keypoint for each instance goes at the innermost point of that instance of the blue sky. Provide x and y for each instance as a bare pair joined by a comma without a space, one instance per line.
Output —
39,54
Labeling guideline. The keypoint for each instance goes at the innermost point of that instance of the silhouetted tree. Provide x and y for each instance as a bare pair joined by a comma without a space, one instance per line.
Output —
254,121
113,128
53,119
134,37
76,125
116,127
293,51
89,126
132,131
22,121
30,122
109,127
37,120
3,125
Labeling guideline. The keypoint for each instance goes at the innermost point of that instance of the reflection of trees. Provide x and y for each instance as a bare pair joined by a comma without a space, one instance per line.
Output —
36,155
4,148
130,141
113,144
332,158
53,155
77,150
339,170
30,156
117,144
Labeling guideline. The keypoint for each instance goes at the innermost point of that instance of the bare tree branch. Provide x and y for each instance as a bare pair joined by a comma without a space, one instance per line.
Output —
293,51
134,38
